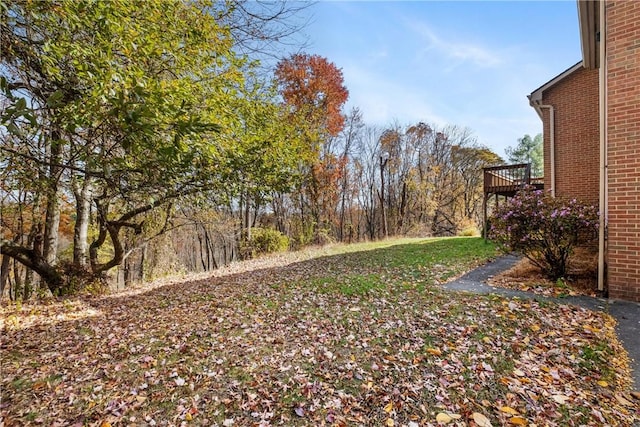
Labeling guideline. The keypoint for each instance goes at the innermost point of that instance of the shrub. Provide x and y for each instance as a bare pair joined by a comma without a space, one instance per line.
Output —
468,228
544,229
469,232
267,240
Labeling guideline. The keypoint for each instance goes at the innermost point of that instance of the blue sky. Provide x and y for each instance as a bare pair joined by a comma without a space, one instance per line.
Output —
470,64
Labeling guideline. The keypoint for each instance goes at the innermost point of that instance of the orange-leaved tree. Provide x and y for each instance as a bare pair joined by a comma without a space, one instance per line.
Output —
313,89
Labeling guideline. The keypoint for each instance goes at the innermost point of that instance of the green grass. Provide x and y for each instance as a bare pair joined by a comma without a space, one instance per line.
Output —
348,285
360,284
396,265
417,252
339,336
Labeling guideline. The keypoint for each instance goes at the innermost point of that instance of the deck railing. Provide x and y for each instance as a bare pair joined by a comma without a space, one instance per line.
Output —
508,179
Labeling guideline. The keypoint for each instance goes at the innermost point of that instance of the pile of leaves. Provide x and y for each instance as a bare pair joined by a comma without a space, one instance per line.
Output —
581,280
359,338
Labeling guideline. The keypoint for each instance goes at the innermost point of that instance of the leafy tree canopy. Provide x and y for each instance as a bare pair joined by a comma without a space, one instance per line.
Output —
528,150
314,87
146,101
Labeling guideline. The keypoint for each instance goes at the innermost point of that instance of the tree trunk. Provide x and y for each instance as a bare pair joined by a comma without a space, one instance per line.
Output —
17,275
82,195
52,219
51,226
31,259
247,217
4,274
202,249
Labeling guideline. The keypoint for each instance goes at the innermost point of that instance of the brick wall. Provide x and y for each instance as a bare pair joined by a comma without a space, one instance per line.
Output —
577,149
623,128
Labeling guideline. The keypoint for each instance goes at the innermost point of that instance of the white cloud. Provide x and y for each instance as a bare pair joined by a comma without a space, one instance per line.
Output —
459,51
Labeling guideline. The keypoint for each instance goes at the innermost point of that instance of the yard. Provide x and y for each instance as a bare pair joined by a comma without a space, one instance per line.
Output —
345,336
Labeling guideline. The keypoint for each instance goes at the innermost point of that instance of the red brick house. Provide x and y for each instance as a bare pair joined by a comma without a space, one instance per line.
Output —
591,126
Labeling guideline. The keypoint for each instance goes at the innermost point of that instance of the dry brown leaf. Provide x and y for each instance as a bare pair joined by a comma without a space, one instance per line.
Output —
443,418
623,401
560,398
434,351
481,420
39,385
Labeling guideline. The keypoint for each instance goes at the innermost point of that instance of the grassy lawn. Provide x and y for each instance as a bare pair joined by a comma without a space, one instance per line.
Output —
349,335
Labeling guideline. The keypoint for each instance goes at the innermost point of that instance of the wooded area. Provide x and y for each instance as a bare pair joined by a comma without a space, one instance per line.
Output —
141,139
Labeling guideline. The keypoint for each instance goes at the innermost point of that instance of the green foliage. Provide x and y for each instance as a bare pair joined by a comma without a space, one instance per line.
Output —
303,232
266,240
528,150
543,228
146,102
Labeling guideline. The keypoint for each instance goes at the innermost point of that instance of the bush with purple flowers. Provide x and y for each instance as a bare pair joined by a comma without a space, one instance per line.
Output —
544,229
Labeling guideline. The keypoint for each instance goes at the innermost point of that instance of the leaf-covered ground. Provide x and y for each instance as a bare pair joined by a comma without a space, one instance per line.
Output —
344,339
524,276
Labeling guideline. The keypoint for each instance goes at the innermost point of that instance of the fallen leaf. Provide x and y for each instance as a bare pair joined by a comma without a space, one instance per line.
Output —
443,418
508,410
623,401
389,423
434,351
39,385
603,384
518,421
388,407
481,420
560,398
635,394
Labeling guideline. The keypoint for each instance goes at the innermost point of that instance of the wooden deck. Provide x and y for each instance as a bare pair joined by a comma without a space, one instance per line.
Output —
507,180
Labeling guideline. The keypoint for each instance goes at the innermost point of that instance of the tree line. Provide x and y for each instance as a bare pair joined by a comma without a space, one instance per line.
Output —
144,138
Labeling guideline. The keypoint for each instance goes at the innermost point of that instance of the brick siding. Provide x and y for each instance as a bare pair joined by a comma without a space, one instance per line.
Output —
577,147
623,128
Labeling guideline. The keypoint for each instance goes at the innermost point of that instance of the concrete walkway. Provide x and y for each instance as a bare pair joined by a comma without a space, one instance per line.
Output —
626,313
